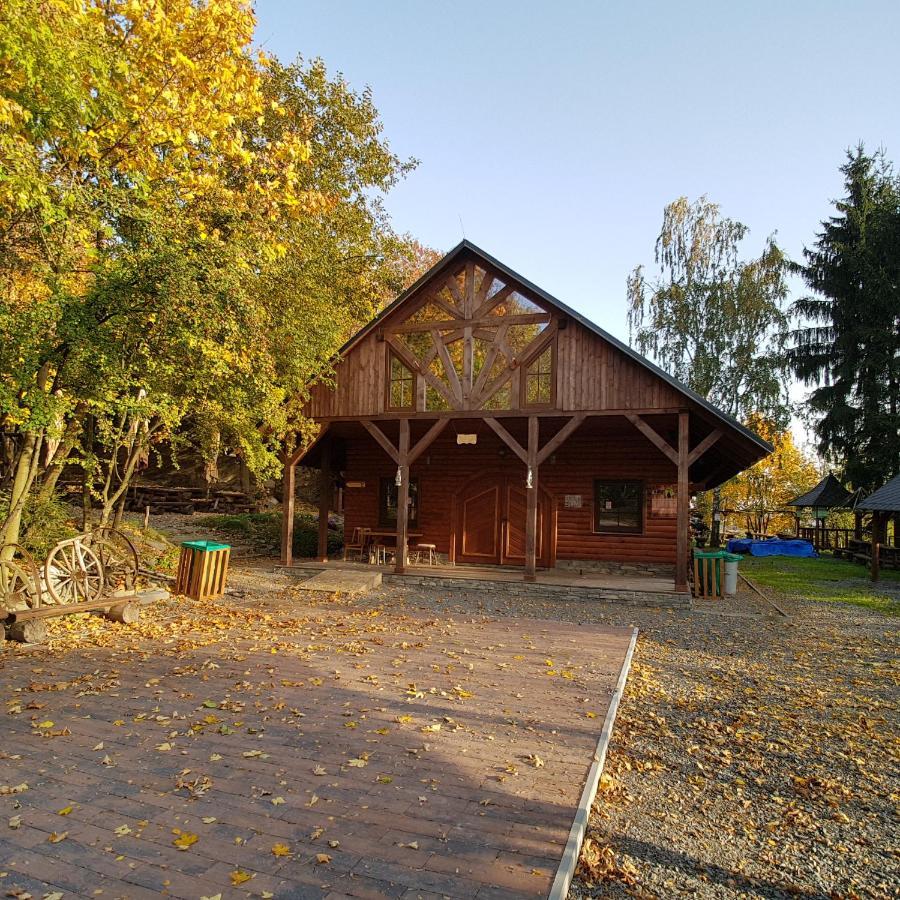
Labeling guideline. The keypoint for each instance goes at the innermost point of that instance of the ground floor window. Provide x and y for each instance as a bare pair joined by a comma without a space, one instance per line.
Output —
618,506
387,503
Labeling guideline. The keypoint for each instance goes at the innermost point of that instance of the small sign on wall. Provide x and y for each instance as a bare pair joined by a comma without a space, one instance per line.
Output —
572,501
355,484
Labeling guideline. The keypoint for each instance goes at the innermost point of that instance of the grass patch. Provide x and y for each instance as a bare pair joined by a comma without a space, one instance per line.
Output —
827,580
263,531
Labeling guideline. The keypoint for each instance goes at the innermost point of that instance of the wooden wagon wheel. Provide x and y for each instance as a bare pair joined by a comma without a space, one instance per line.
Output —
20,586
73,572
117,555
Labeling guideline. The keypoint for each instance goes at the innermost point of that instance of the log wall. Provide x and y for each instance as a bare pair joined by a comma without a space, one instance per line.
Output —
446,467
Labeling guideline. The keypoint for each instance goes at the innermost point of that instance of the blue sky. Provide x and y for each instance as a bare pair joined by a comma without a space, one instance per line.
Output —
553,133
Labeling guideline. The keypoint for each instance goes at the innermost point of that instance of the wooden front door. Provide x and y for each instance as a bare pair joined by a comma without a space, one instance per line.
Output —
491,523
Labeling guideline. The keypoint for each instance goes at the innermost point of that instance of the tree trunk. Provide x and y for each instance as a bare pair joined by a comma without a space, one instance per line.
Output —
23,479
60,457
715,536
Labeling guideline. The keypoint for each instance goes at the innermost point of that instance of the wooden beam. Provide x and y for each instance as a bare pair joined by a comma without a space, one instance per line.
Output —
683,509
531,509
299,452
441,303
508,439
875,569
469,305
381,438
426,440
324,500
287,512
402,500
653,436
560,437
494,413
459,299
449,368
703,446
490,302
483,289
482,322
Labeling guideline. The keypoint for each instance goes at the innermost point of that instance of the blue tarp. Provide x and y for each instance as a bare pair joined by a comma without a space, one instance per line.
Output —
773,547
739,545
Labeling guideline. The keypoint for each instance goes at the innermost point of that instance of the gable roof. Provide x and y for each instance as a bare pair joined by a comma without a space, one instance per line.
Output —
885,499
827,494
465,246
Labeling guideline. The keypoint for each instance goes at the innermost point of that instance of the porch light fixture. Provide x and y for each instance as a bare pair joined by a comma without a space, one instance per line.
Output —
529,481
398,478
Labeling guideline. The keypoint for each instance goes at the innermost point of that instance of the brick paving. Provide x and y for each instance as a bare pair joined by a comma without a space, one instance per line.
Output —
326,752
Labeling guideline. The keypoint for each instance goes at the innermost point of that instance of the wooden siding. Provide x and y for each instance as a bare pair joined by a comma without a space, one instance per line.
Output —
446,467
591,374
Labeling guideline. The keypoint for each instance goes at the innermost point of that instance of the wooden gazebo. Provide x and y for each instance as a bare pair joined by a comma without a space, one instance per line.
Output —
884,504
827,495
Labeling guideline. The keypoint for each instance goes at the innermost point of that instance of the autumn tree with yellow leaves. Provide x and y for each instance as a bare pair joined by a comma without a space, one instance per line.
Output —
755,500
188,231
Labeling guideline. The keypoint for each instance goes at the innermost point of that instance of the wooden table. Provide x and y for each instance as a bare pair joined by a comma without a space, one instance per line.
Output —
373,536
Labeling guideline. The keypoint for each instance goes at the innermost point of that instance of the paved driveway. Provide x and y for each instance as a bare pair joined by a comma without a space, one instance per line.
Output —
255,747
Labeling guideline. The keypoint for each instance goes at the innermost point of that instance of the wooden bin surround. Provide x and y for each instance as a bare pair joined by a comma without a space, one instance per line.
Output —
202,569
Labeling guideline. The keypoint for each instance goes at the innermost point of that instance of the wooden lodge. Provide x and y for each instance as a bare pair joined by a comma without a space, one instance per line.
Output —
480,414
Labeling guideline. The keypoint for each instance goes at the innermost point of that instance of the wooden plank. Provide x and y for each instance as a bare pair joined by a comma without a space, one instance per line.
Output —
531,490
489,304
703,446
402,500
324,498
683,504
508,439
560,437
287,513
381,438
654,437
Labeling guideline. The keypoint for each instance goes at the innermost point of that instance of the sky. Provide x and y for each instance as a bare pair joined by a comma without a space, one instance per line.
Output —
552,134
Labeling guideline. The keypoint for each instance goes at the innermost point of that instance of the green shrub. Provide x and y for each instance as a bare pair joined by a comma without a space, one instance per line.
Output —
263,531
44,524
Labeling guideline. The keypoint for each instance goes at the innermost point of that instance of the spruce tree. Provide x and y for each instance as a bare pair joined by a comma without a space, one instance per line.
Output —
848,343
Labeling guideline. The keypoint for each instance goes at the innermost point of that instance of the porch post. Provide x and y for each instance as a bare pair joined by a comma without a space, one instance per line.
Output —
683,508
857,525
531,510
324,500
402,499
876,545
287,511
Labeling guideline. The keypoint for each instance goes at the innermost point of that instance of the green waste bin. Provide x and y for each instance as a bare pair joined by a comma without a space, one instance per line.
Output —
709,572
731,573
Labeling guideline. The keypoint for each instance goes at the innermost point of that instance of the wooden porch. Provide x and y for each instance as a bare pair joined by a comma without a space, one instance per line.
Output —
577,583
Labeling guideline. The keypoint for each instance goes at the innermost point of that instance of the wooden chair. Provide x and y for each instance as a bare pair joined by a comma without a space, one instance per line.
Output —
356,544
428,550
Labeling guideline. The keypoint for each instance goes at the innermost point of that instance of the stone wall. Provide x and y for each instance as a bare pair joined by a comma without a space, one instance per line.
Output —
611,567
601,595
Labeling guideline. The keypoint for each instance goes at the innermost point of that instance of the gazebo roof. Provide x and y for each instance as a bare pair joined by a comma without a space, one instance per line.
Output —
885,499
827,494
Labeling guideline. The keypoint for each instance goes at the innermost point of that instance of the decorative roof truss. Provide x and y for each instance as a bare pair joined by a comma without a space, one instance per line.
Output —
472,341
